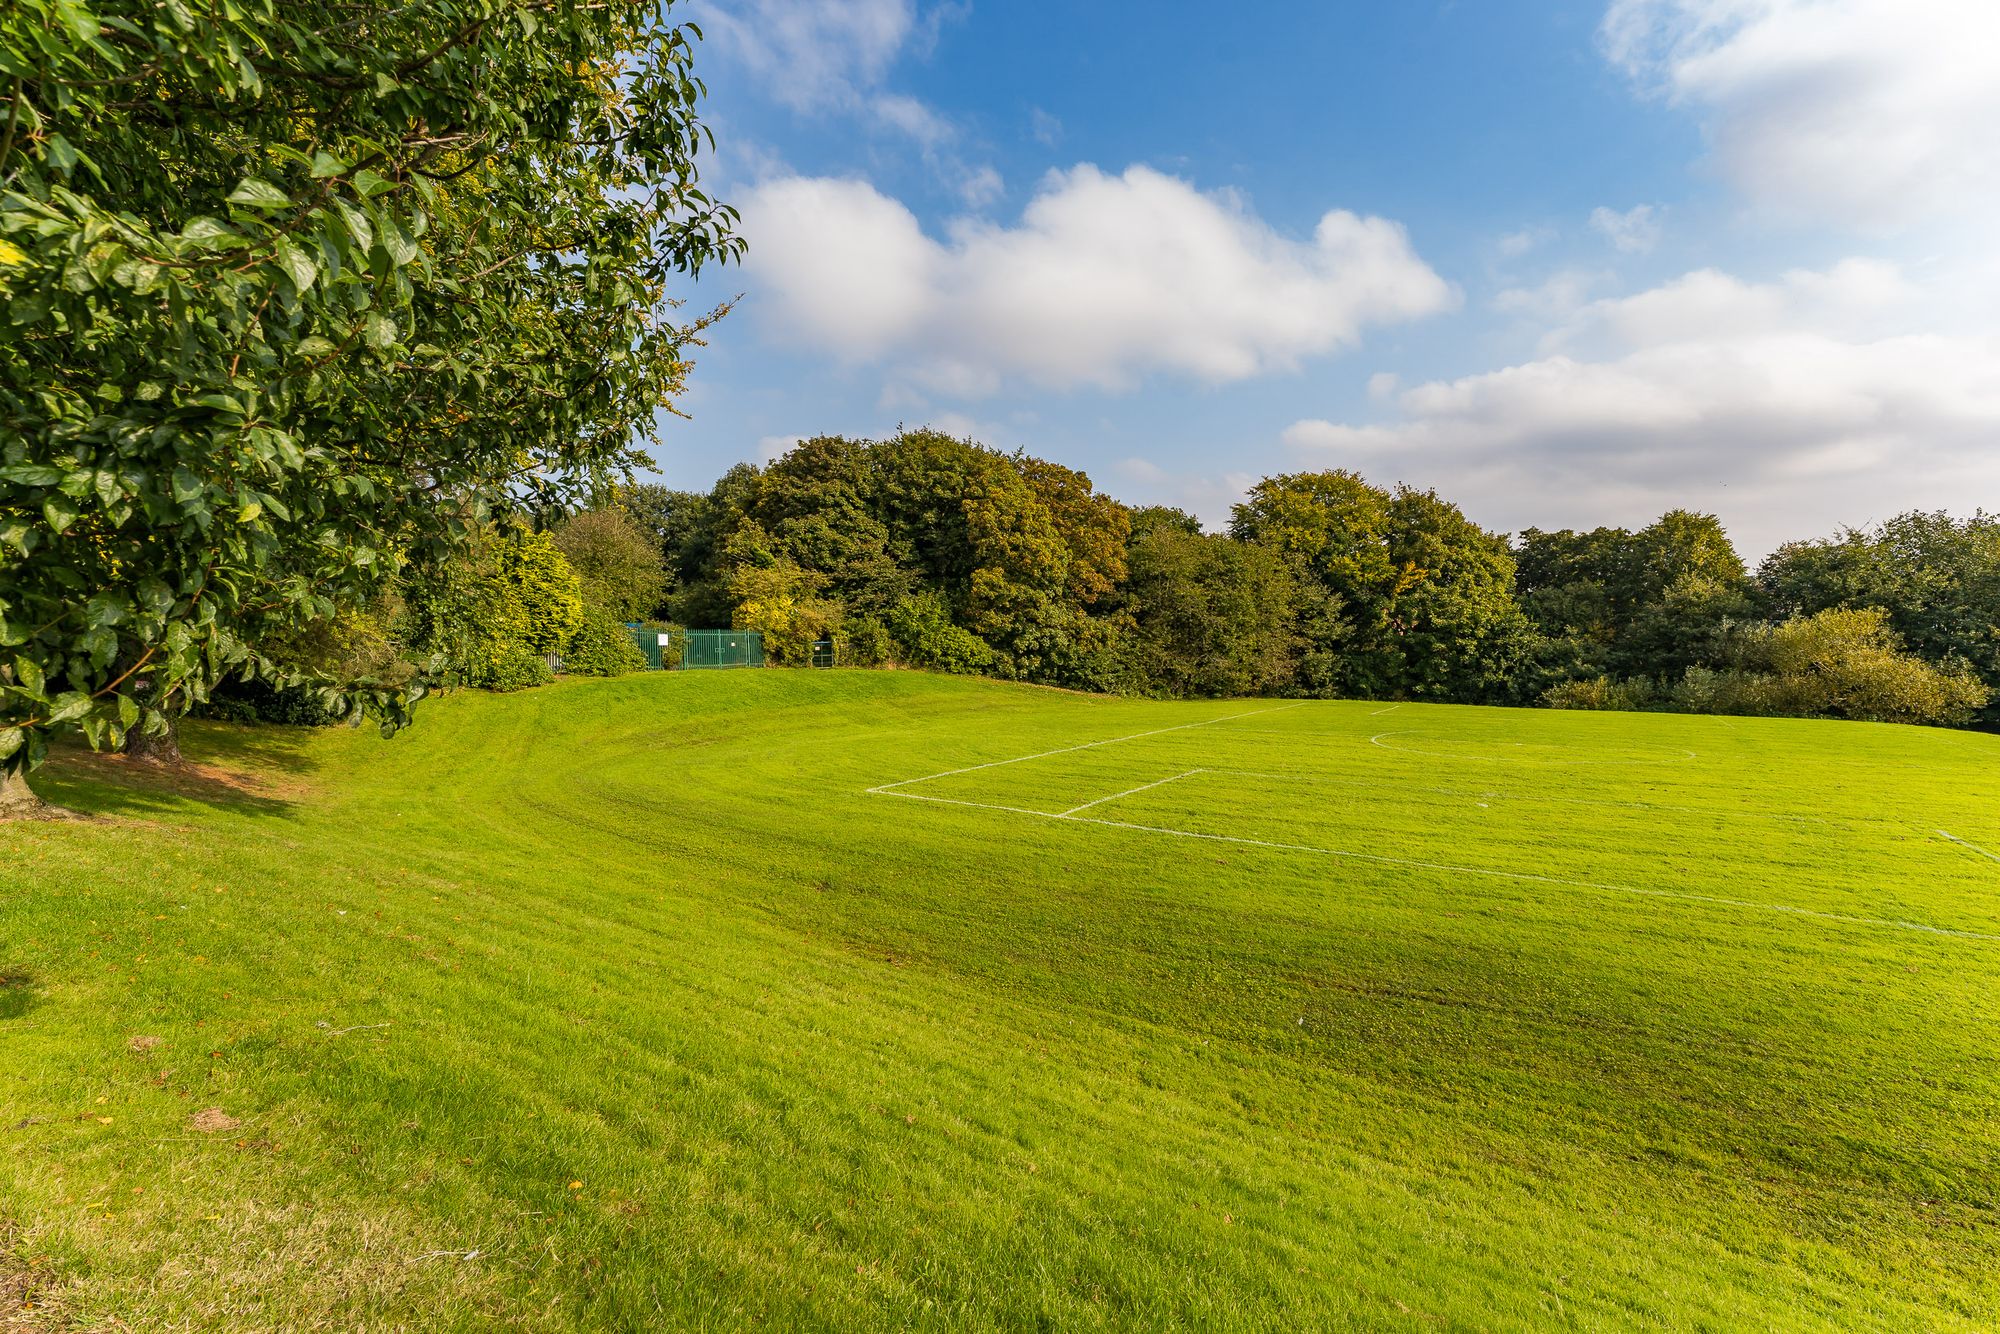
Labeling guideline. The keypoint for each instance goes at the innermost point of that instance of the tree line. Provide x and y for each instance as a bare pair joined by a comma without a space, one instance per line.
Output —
924,550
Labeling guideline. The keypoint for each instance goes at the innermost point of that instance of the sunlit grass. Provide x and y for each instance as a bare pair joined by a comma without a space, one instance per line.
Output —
626,1005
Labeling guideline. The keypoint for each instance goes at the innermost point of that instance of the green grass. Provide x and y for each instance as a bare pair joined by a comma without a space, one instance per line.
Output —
635,989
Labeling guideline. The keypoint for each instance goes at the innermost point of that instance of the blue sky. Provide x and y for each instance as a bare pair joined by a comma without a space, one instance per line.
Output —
1566,262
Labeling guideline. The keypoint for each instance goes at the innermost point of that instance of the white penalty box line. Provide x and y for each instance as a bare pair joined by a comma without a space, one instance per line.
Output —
889,789
1074,816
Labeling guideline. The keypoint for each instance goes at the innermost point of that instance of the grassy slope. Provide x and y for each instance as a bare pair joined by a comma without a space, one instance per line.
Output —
685,1030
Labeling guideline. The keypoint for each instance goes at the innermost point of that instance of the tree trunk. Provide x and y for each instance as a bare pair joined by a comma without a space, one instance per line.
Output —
161,748
17,800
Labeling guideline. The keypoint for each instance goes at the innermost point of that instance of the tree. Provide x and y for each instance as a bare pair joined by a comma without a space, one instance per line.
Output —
1937,578
300,294
1646,604
1146,518
1413,599
616,562
1210,616
495,614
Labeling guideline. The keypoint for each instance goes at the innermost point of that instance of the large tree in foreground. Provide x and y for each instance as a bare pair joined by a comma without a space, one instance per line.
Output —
296,293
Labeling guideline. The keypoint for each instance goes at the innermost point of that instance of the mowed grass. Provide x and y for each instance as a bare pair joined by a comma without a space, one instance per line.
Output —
628,1005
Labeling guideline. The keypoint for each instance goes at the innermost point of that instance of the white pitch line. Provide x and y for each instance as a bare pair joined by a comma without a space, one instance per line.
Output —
887,788
1379,712
1953,838
1713,899
1133,791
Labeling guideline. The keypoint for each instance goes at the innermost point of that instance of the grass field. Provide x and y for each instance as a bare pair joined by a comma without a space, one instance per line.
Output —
859,1001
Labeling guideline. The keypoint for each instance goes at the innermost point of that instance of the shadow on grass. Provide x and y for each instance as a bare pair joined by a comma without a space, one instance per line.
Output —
230,766
18,992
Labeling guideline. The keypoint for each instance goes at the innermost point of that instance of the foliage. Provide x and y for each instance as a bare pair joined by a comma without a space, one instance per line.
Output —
616,562
1415,601
490,615
298,293
354,643
1851,664
1836,664
601,646
923,628
1651,603
1600,693
1210,616
1938,579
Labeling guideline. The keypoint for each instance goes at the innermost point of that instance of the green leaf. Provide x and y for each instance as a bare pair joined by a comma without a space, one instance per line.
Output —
368,184
186,486
255,192
78,18
28,675
357,223
69,706
33,474
379,330
325,164
10,740
104,609
298,265
61,156
154,594
60,511
316,346
402,247
208,229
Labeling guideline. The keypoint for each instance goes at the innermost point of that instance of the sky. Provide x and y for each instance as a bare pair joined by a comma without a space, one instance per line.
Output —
1569,263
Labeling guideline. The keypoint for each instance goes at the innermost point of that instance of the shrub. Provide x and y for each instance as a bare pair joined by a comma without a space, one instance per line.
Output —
782,602
515,670
928,637
1850,664
1743,693
1601,693
602,646
864,642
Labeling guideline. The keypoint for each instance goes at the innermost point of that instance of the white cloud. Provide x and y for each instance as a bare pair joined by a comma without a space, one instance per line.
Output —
1103,280
1867,112
981,188
1557,299
1633,232
812,54
1516,244
834,57
1788,407
1046,128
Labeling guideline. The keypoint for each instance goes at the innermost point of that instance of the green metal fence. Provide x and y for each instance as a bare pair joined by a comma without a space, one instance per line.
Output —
721,648
652,643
